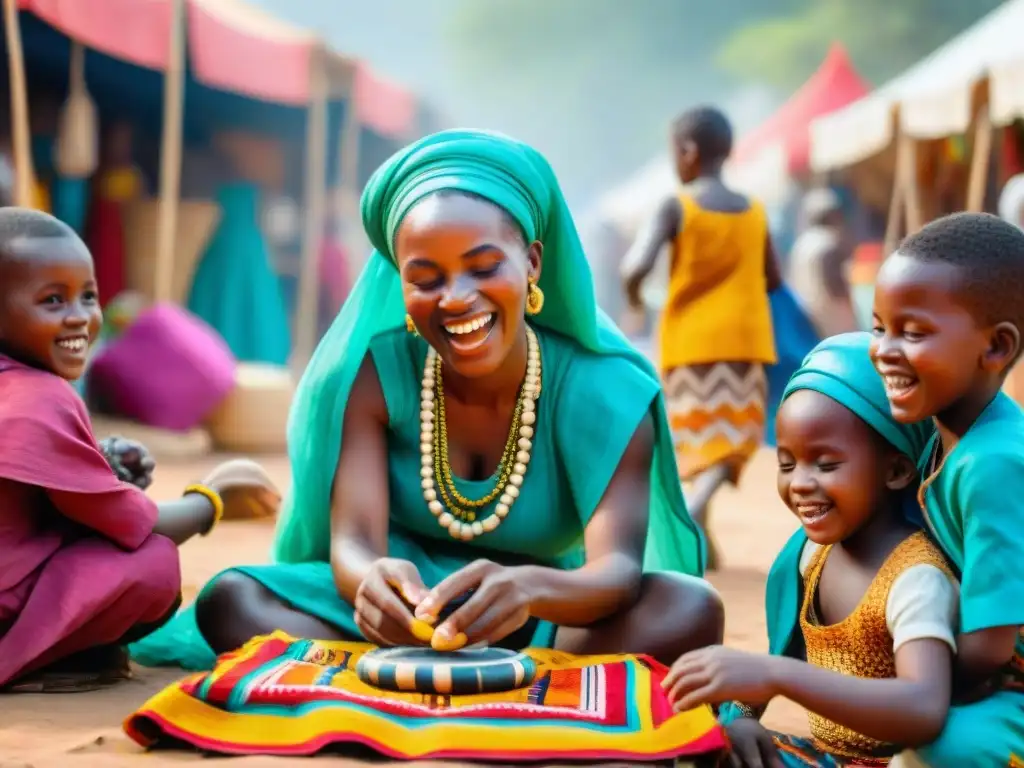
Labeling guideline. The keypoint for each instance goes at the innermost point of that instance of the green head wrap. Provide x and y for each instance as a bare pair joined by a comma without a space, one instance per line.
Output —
840,368
517,178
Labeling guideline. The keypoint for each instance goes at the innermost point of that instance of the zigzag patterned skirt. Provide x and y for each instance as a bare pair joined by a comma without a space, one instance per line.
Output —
717,414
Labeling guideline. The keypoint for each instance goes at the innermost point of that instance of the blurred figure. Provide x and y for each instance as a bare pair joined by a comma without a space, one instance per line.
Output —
716,329
1011,201
818,263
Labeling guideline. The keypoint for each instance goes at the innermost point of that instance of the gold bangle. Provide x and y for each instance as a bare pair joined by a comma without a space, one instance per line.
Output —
214,498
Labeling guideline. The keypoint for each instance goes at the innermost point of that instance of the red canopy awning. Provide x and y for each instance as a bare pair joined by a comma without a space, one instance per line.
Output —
834,85
232,47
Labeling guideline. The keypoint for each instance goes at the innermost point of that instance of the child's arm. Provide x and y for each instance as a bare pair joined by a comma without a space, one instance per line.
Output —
983,654
988,495
643,255
772,270
909,709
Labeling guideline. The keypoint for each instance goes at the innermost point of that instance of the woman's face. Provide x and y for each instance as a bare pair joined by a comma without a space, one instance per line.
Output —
465,271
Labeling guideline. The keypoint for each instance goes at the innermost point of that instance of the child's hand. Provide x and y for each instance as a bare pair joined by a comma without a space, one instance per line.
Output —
245,488
130,460
717,674
751,745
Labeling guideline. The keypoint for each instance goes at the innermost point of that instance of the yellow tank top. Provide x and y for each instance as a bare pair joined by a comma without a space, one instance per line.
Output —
717,307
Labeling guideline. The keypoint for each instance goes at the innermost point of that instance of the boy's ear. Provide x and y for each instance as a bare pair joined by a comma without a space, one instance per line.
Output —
902,473
1004,346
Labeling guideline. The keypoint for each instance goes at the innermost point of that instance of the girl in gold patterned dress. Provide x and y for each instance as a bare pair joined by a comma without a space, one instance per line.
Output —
862,608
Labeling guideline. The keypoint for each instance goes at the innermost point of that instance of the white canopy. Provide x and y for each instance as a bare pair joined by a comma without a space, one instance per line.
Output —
933,96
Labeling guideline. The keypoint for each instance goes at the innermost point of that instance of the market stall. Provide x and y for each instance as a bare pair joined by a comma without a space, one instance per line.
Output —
938,138
245,74
962,91
223,104
766,162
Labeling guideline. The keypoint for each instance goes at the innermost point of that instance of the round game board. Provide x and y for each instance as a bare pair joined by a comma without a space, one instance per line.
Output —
423,670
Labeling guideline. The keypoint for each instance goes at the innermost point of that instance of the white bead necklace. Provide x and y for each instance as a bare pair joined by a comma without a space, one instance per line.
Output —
459,523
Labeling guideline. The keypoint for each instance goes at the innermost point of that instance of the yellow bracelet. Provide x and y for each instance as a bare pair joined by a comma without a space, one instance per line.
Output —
214,498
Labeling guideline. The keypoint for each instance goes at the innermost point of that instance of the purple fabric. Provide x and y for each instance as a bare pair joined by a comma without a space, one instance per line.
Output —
80,565
168,370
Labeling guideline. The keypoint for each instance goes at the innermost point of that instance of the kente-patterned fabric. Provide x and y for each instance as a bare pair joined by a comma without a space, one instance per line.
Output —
282,696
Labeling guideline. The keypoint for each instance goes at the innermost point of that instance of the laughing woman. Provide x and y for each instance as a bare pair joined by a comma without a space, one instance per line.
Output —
473,426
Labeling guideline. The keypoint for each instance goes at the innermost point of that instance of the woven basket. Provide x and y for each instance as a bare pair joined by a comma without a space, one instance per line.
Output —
76,152
254,417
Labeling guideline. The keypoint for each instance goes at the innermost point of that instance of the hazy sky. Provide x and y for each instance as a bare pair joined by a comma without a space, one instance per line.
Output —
404,40
401,38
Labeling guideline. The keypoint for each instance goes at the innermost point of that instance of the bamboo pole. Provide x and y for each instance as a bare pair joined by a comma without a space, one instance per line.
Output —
21,132
315,194
348,179
170,155
912,190
981,154
898,203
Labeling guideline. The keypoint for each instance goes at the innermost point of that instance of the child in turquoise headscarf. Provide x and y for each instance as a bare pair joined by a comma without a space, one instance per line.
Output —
493,214
861,605
948,315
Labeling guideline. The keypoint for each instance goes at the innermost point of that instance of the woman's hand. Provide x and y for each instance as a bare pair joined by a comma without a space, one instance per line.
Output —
130,460
718,674
384,604
245,488
498,607
751,745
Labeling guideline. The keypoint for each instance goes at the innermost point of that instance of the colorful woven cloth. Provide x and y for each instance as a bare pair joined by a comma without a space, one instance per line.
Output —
281,696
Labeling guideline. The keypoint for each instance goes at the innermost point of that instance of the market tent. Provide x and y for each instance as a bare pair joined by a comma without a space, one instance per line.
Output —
763,159
232,47
933,98
834,85
125,90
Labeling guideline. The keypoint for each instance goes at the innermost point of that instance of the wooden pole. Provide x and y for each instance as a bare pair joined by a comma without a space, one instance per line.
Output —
898,203
912,191
981,153
348,181
21,132
170,156
315,194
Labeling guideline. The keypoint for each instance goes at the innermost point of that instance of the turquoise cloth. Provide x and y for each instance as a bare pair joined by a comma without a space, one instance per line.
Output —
839,367
235,288
975,511
795,337
619,386
71,201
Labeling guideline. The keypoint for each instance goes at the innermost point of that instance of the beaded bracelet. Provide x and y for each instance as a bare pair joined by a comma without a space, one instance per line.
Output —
214,498
746,710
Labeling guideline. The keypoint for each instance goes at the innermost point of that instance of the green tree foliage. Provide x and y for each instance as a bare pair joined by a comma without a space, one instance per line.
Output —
884,37
593,82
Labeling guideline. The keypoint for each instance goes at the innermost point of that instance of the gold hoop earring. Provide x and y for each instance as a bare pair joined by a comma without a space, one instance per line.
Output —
534,299
410,326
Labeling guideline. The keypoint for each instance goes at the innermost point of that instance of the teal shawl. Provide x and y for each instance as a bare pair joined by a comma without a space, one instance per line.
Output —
839,368
517,178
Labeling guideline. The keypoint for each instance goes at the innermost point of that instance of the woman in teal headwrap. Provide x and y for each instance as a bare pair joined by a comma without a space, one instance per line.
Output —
861,605
471,341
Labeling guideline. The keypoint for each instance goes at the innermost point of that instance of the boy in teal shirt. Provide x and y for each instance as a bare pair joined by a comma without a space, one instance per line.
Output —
948,317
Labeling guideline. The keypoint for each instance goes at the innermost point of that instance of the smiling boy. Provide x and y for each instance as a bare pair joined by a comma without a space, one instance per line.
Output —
948,314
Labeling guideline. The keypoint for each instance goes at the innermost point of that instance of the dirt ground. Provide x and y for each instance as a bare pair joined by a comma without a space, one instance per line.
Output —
83,730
